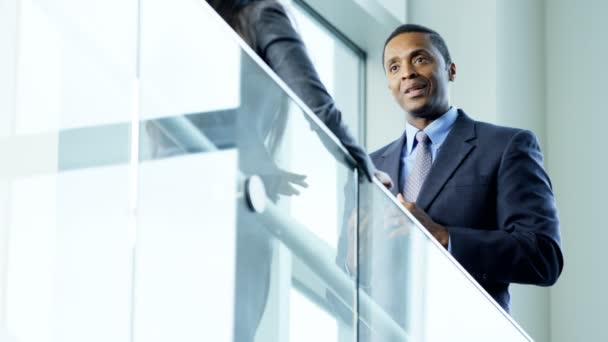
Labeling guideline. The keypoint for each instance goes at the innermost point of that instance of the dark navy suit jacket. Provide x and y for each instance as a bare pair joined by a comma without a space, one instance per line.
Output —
488,187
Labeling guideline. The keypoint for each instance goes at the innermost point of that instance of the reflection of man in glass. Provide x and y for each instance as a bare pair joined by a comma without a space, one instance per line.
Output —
479,189
266,28
257,129
381,265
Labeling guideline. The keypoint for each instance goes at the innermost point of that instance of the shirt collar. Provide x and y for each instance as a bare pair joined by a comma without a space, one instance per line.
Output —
437,131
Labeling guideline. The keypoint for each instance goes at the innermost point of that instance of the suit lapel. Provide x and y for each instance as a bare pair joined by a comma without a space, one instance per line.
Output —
456,147
391,161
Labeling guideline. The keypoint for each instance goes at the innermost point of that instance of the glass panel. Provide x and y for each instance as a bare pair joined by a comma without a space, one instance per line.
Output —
205,79
8,62
66,253
65,109
202,253
415,282
117,232
185,242
69,66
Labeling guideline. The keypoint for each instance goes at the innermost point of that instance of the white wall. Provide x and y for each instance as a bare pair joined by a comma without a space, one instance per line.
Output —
520,64
472,43
576,130
520,102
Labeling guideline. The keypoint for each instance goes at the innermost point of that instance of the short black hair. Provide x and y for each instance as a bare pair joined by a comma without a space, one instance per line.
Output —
436,40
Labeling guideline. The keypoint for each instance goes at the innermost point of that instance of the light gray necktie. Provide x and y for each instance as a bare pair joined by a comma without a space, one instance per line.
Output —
421,168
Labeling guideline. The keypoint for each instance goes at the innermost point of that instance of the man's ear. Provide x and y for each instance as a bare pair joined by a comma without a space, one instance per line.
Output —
452,72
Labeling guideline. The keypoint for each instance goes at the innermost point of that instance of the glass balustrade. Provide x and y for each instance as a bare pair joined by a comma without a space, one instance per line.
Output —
415,281
162,184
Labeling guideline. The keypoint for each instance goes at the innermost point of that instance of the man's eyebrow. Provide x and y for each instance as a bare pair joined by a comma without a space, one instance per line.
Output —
391,60
409,55
419,52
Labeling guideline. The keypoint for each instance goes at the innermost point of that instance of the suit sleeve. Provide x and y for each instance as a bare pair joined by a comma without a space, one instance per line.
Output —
525,248
281,47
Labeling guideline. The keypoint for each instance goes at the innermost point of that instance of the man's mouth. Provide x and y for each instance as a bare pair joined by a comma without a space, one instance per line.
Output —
415,90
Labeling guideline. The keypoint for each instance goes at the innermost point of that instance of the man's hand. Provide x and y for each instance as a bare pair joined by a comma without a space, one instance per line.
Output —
384,178
438,231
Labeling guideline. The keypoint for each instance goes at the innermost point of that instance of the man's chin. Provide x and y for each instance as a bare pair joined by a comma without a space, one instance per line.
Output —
424,112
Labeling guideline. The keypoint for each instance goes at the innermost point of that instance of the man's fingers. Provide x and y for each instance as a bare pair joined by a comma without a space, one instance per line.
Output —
410,206
403,201
400,198
384,178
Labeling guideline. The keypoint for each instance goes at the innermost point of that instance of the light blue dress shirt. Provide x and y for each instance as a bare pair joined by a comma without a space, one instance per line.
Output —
437,131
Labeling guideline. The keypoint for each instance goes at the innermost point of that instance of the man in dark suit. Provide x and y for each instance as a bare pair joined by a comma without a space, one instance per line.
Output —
479,189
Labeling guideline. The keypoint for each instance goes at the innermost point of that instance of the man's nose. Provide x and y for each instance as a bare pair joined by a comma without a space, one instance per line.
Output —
408,71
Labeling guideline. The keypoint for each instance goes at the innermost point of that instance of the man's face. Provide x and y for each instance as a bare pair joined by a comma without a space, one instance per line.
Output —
417,75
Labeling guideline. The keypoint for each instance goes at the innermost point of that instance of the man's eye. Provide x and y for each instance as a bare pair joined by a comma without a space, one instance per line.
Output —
394,68
420,59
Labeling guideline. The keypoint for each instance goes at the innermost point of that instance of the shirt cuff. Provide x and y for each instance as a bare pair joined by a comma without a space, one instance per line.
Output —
449,244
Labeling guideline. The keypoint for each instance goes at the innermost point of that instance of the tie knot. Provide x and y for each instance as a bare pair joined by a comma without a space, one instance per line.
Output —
421,137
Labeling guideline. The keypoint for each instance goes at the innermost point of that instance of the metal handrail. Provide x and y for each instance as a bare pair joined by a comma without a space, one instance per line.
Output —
299,239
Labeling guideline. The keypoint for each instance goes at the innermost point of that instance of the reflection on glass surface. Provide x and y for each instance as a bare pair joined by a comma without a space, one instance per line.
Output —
303,170
412,278
65,252
30,258
92,256
71,73
185,68
8,61
68,269
319,324
185,248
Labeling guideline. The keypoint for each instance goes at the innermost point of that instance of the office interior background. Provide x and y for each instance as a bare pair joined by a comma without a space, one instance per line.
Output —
71,64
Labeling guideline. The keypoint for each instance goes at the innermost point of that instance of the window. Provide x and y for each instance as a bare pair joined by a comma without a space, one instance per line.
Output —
339,62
